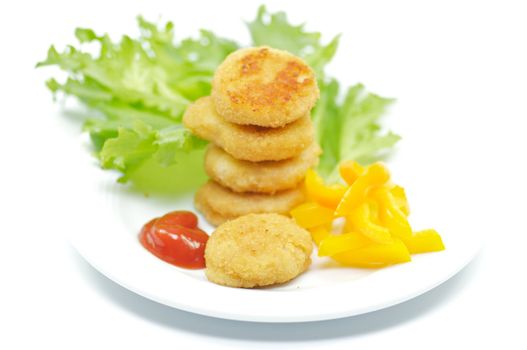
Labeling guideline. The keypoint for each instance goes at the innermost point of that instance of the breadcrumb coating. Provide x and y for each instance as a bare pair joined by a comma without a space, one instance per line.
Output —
263,177
219,204
248,142
257,250
264,86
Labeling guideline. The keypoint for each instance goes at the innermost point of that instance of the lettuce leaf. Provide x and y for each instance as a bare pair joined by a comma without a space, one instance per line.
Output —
346,129
273,29
138,89
350,129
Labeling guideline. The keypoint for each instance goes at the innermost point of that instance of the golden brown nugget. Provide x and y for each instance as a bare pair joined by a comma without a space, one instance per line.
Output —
257,250
262,177
264,86
219,204
248,142
212,217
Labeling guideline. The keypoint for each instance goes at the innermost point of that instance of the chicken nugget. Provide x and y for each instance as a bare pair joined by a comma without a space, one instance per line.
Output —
262,177
219,204
213,217
257,250
264,86
248,142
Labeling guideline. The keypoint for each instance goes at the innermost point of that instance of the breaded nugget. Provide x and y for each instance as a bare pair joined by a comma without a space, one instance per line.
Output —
219,204
264,86
257,250
262,177
214,218
247,142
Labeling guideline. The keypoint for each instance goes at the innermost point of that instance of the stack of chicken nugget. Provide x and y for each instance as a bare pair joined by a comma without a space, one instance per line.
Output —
262,139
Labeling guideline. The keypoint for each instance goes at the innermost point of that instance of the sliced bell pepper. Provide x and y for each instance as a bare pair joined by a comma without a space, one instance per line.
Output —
319,233
375,255
361,220
398,226
399,195
335,244
424,241
312,214
326,195
391,216
376,218
375,175
350,171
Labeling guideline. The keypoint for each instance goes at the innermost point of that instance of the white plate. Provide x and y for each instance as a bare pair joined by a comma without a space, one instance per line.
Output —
107,239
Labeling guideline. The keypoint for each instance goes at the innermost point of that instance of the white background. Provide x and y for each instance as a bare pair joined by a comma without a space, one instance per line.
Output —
459,72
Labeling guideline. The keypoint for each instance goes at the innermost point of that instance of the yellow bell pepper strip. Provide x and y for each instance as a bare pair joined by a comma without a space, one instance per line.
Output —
361,220
374,208
425,241
391,216
326,195
319,233
335,244
312,214
350,171
375,255
350,225
375,175
376,223
399,226
400,198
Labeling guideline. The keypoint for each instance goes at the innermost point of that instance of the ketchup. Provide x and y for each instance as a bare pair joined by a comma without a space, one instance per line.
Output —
176,239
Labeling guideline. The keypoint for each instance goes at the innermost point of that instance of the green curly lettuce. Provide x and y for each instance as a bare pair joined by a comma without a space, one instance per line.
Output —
138,89
273,29
350,129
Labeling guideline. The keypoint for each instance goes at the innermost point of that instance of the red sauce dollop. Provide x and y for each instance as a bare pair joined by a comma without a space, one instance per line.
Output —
176,239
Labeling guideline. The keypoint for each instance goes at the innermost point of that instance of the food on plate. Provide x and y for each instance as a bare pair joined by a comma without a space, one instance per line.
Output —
373,255
257,250
248,142
176,239
311,215
219,204
367,182
264,177
264,86
213,217
327,195
376,231
269,114
134,107
424,241
255,168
